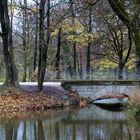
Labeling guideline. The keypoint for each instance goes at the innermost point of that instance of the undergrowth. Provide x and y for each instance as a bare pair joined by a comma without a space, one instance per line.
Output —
133,107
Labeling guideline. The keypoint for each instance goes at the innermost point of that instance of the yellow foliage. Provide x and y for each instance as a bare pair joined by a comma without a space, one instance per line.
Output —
35,10
70,27
105,63
131,64
54,33
83,39
11,8
75,33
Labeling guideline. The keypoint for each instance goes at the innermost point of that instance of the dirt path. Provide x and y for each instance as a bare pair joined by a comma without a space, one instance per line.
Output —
50,88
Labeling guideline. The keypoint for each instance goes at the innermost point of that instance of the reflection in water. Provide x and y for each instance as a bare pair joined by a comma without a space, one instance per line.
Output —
20,131
88,124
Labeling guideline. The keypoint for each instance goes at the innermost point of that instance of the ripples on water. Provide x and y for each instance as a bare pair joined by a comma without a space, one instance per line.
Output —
91,123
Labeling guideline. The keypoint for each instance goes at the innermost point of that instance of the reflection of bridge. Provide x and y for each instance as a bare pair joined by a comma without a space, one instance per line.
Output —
94,112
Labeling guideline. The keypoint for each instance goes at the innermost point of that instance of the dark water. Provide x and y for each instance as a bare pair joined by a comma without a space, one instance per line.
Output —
87,124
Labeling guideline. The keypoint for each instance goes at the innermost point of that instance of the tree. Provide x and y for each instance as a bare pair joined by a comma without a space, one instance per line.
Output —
74,43
57,62
6,33
118,46
115,39
25,40
43,43
132,22
87,21
36,38
89,44
25,36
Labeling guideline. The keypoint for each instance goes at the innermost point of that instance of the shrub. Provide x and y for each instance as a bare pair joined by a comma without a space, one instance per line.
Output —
133,107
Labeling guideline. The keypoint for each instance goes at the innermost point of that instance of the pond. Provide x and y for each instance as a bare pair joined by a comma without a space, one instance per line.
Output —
91,123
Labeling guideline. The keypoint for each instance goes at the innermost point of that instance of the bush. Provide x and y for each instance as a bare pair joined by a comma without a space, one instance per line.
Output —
133,107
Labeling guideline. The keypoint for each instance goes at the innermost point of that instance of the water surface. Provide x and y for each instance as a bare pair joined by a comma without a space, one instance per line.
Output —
91,123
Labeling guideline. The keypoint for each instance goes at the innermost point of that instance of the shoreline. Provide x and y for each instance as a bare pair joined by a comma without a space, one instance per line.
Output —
27,98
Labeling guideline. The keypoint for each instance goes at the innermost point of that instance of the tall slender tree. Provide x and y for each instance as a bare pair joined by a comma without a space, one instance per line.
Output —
36,39
43,43
25,40
74,44
6,33
89,44
57,62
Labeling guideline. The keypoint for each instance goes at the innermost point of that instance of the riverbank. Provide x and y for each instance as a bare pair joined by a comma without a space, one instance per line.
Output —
28,98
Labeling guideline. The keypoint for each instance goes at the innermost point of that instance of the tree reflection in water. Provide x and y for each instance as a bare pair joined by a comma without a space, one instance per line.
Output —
81,126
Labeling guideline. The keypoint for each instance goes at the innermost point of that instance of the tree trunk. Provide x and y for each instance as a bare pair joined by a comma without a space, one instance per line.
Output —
41,43
74,58
36,42
57,63
24,70
25,40
74,44
24,50
11,73
120,72
81,67
88,60
11,46
136,38
89,44
43,46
